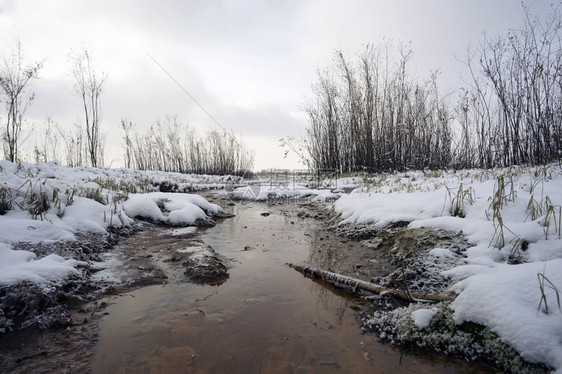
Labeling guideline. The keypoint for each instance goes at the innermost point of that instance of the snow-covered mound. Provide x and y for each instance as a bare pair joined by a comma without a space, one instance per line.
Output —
49,203
507,300
171,208
17,266
511,218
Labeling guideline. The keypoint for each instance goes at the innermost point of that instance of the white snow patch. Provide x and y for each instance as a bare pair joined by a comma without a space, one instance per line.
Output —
441,252
18,227
292,191
386,208
182,209
422,317
190,249
506,300
17,266
108,267
179,231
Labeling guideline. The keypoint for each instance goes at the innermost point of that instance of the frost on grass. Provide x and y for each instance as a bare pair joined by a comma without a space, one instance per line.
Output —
420,326
419,255
28,305
510,220
58,223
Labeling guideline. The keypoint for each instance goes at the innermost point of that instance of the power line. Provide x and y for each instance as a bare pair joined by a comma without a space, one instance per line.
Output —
185,90
242,148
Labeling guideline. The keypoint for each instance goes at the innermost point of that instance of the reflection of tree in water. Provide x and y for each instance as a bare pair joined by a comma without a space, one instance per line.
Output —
324,257
331,299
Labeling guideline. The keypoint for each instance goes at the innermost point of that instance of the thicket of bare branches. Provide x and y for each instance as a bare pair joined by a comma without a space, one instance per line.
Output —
371,114
63,145
512,113
175,147
366,113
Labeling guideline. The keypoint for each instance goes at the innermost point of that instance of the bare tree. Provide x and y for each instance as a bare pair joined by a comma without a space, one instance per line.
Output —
515,100
48,145
89,88
369,114
15,82
173,146
127,128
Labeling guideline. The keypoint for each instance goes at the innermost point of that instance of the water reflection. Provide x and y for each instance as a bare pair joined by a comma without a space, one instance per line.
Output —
266,318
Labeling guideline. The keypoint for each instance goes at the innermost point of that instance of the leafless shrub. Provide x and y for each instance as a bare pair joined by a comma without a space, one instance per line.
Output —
175,147
372,115
514,107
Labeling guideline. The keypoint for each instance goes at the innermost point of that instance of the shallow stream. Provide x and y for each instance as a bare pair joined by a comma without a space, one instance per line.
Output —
265,318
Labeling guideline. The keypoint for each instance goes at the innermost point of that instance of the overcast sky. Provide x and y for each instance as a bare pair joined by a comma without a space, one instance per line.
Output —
249,63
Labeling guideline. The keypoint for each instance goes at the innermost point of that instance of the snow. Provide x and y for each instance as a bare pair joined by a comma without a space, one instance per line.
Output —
491,290
422,317
181,209
107,269
284,193
441,252
97,219
179,231
18,226
48,203
190,249
507,299
17,266
385,208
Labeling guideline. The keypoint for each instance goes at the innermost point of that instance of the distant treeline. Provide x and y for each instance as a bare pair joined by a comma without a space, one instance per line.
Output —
170,147
176,147
369,113
166,146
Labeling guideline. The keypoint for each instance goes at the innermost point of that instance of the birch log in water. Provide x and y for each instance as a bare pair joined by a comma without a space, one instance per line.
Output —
355,285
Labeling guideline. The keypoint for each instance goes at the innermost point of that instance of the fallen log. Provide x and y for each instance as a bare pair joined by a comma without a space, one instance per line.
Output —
355,285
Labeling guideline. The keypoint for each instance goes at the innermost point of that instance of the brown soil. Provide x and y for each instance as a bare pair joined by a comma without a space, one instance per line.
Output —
65,342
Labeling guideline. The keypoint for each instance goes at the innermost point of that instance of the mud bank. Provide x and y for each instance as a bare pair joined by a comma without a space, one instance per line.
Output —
54,326
416,259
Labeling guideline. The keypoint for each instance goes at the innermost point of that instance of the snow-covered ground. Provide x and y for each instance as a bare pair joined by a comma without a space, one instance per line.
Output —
511,218
49,203
283,193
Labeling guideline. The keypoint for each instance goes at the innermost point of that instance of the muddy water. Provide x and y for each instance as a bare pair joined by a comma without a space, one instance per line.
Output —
265,318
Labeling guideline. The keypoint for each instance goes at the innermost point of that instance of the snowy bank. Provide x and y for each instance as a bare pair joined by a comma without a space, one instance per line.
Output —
49,203
511,218
171,208
18,266
507,300
282,194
